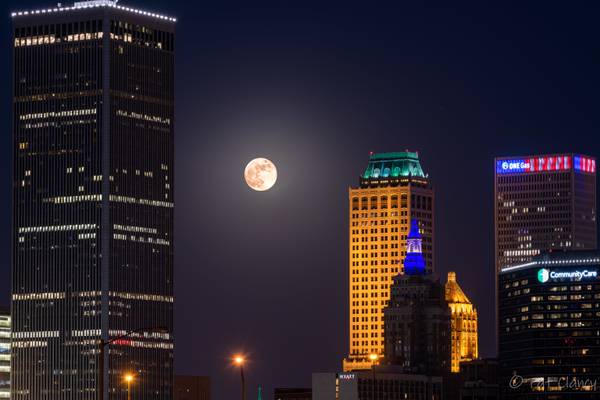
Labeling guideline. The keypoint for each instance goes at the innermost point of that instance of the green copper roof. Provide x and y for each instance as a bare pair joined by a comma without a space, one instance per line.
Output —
393,165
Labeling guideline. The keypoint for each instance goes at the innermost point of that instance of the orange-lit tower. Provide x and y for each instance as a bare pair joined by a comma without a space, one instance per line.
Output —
463,320
392,191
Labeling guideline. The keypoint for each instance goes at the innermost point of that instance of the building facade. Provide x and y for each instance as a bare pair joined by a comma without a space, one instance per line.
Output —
5,331
93,114
292,394
188,387
549,327
392,191
370,385
463,318
417,326
479,380
542,203
417,329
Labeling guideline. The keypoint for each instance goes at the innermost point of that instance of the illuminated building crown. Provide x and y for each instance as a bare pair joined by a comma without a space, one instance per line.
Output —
414,263
393,165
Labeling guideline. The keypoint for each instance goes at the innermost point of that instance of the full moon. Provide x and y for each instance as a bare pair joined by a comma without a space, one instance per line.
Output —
260,174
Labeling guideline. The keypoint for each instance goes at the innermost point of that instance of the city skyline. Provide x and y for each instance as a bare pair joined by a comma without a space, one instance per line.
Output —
315,89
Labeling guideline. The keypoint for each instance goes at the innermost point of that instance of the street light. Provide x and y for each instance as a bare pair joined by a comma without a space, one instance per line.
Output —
373,358
104,343
129,378
239,361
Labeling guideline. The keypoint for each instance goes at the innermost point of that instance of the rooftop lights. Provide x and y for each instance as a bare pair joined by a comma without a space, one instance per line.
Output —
94,4
551,262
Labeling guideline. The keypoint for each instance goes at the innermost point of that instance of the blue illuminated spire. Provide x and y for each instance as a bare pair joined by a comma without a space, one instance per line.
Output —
260,393
414,264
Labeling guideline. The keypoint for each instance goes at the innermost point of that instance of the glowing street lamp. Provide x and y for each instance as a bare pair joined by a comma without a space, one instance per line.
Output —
239,361
128,378
104,343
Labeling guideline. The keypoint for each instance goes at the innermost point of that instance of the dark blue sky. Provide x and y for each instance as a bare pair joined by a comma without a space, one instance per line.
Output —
315,87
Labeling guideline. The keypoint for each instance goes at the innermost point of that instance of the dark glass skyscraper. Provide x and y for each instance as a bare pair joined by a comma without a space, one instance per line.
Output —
5,329
549,327
544,202
93,114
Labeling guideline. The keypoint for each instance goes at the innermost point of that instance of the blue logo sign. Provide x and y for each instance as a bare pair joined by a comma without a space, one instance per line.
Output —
508,166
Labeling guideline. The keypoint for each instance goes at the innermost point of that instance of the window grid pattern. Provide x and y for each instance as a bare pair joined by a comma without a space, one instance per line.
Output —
93,126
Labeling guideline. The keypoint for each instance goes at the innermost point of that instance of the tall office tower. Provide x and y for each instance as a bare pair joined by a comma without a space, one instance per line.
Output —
542,203
5,329
463,318
549,336
93,202
392,191
418,327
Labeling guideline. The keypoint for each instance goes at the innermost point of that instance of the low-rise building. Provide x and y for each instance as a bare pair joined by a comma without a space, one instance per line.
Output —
293,394
379,383
479,380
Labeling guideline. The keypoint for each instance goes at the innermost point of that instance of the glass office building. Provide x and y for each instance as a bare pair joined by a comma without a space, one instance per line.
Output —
93,126
549,327
5,328
544,202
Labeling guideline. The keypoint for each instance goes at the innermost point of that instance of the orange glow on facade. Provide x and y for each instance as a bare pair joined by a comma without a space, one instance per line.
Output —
463,324
392,191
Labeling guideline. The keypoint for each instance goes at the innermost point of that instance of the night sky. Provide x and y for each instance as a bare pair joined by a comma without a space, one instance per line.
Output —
314,87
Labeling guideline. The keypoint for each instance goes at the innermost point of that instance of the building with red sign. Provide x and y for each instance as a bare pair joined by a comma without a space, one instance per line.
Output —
543,203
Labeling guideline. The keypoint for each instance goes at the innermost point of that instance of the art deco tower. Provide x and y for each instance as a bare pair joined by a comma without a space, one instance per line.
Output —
463,317
430,328
418,327
93,201
392,191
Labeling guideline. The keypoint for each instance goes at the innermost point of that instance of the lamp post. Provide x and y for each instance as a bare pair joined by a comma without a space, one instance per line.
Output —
373,358
104,343
129,379
239,361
